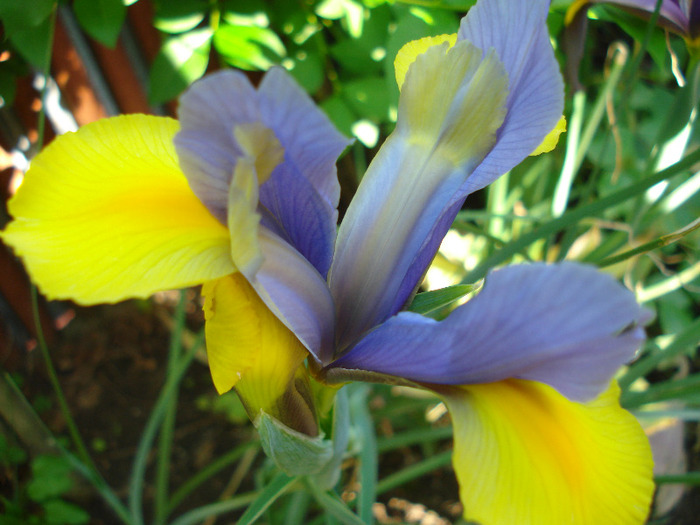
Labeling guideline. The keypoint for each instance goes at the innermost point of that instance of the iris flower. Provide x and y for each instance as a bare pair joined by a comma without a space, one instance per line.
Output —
240,195
680,16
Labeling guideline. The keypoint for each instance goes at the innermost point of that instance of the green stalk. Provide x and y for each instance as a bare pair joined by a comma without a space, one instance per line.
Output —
165,440
138,469
571,217
662,241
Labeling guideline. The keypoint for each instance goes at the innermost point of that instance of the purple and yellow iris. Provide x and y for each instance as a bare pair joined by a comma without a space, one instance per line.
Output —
240,195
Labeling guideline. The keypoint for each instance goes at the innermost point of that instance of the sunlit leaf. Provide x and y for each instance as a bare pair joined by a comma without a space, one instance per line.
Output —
180,16
181,61
101,19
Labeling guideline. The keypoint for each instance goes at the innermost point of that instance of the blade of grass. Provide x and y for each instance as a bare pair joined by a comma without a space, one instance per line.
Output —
681,343
662,241
138,469
278,486
334,506
669,285
689,478
413,437
572,216
165,438
685,388
207,472
214,509
368,456
414,471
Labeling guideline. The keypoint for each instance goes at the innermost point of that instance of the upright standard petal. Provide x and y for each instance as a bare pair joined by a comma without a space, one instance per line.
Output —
217,113
444,129
105,214
525,454
250,349
567,325
518,33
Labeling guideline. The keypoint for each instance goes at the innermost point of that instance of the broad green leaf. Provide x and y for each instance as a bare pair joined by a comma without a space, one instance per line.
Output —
181,61
353,57
245,46
21,15
33,44
51,477
180,16
368,97
101,19
59,512
340,113
307,69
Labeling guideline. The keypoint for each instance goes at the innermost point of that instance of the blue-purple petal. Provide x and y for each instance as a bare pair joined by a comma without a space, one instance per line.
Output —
296,293
295,211
518,33
567,325
311,141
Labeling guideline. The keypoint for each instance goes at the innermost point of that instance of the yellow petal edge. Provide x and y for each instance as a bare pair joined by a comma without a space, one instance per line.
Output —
525,454
410,51
552,139
105,214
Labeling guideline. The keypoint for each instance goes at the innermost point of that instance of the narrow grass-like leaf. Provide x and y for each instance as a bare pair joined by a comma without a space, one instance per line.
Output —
414,471
662,241
413,437
427,302
334,506
682,342
593,209
364,425
207,472
214,509
685,389
138,469
689,478
278,486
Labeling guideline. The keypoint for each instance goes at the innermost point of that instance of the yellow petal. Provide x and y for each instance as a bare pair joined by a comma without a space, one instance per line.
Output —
408,53
260,144
251,350
552,138
106,214
263,152
243,218
525,454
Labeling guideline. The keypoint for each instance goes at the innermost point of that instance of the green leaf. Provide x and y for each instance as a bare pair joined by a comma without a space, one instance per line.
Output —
307,69
33,44
59,512
180,16
272,491
353,57
427,302
244,46
340,113
182,60
21,15
368,97
101,19
51,477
